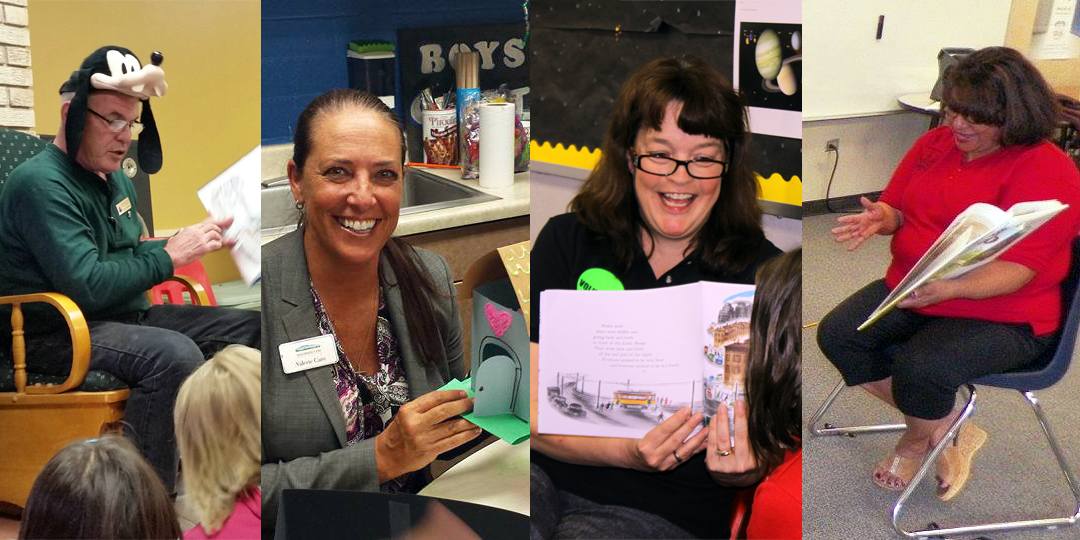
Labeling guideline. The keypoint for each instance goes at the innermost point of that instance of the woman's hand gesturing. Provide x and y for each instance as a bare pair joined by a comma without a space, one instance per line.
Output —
421,430
657,450
876,218
737,467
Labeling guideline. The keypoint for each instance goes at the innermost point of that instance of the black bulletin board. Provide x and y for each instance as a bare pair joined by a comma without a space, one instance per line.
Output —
581,52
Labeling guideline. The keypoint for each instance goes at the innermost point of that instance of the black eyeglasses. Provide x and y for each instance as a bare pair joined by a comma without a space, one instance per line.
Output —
119,125
948,115
663,165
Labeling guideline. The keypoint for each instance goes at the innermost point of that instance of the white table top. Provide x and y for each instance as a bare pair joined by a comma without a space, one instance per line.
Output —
496,475
919,102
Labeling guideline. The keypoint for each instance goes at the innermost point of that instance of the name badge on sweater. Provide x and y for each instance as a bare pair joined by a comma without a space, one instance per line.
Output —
123,206
308,353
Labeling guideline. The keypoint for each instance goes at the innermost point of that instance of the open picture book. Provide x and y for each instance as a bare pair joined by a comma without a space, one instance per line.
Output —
977,236
617,363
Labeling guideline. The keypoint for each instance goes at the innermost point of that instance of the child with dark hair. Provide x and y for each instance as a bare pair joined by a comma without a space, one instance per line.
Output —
768,425
99,488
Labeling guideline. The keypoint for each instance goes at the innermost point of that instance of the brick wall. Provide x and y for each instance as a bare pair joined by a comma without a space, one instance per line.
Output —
16,93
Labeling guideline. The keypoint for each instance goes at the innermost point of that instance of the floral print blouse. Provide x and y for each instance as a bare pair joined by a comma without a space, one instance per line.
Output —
369,401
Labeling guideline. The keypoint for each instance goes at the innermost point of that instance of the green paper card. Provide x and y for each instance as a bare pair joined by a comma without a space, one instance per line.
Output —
504,426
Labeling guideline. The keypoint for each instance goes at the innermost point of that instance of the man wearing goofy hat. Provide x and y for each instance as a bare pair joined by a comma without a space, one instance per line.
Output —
70,226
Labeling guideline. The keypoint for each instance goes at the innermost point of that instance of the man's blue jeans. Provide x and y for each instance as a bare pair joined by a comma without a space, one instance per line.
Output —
153,353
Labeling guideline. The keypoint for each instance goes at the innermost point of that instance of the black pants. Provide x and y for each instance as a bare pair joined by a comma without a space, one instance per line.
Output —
154,354
928,358
557,514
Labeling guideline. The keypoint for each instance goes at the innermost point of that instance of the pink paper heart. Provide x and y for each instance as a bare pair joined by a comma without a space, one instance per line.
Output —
499,321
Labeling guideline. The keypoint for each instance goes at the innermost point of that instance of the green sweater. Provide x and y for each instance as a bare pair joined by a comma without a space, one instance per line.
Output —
62,230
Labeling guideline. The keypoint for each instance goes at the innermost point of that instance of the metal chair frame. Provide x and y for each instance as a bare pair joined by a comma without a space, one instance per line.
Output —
1025,382
827,430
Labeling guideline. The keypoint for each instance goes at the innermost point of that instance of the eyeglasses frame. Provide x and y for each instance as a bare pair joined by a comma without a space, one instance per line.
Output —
129,125
636,160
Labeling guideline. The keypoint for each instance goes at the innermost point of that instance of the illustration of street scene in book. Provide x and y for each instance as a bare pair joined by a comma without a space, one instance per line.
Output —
725,360
629,403
632,372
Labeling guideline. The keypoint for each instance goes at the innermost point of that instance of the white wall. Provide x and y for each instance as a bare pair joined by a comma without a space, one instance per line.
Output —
849,72
550,193
870,149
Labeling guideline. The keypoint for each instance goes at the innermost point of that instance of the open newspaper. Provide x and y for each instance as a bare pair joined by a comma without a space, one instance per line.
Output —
977,236
617,363
235,194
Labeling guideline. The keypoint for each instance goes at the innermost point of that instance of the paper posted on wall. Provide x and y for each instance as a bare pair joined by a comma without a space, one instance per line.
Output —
617,363
977,236
235,194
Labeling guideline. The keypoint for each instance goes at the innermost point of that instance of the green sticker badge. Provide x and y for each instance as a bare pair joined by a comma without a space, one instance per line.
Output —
598,279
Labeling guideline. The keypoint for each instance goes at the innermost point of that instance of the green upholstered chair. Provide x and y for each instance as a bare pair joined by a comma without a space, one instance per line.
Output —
40,414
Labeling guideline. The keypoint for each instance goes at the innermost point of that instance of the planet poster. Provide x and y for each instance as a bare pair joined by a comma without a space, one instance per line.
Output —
770,65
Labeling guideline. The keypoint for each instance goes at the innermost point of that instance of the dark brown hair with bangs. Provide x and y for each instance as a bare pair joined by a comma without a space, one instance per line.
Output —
999,87
732,238
774,361
414,281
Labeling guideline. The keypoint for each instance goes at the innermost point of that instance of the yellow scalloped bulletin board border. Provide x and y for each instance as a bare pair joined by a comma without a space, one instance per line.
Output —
570,157
774,188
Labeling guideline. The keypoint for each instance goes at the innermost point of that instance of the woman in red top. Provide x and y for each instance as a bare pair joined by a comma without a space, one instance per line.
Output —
992,148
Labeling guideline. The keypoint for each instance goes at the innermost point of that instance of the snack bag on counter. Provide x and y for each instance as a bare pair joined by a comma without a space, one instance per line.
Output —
521,135
469,132
521,144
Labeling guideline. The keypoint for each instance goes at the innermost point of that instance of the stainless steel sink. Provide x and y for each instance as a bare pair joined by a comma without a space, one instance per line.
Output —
422,192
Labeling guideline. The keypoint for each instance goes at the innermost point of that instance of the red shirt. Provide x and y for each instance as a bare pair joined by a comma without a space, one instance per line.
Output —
933,185
777,509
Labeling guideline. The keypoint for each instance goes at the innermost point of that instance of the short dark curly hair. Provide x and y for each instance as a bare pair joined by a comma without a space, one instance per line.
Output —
999,87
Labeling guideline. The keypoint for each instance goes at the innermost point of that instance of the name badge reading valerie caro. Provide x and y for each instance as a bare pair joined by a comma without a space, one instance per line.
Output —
308,353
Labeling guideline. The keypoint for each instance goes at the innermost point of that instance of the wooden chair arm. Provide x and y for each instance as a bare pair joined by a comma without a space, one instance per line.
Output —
198,293
80,341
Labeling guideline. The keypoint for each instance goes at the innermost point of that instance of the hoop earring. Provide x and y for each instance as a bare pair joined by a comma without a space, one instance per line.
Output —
302,214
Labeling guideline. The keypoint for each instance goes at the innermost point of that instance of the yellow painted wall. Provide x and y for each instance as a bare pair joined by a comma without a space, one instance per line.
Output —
211,115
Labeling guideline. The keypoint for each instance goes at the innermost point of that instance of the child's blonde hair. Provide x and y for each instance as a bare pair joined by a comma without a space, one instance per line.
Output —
218,421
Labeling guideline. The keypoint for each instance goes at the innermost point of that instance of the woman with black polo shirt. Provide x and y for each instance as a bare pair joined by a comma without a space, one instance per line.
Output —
672,201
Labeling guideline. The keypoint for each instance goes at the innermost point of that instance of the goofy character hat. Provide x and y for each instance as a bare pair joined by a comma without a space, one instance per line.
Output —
116,68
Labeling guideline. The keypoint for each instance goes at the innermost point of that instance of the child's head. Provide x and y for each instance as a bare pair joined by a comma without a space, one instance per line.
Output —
99,488
774,366
218,421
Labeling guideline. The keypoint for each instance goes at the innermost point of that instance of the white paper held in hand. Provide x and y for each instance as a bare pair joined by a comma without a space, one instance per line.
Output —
235,194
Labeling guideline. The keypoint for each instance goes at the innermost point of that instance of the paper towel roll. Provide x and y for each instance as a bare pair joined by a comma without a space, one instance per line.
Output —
496,145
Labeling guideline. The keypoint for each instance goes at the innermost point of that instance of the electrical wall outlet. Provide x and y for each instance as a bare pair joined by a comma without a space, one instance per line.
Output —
833,145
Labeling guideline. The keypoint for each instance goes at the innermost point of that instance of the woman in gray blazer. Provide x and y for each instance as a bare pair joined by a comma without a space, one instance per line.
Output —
359,328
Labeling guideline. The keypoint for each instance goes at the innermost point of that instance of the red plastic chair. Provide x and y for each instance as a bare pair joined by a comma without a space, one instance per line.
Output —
740,512
189,280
